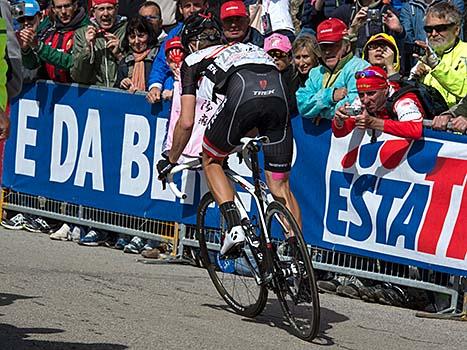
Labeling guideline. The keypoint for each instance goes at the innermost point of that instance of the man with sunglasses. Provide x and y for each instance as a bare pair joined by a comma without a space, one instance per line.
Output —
97,47
370,110
51,45
444,65
152,12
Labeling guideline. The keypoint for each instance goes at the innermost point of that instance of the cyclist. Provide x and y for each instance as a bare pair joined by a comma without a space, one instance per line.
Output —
253,98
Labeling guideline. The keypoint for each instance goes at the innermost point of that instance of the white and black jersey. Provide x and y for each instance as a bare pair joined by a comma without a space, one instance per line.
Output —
217,63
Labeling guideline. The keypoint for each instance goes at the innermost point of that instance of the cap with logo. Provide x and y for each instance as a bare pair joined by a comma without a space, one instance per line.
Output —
371,79
31,8
174,50
277,42
100,2
331,31
234,8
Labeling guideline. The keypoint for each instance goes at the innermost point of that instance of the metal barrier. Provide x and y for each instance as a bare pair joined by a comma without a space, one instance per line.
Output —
363,267
101,219
182,236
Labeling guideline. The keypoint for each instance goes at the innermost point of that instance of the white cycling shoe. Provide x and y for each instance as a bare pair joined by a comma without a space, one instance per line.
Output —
233,238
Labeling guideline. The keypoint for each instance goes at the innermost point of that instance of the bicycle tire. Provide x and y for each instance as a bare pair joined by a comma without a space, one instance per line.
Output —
297,293
238,289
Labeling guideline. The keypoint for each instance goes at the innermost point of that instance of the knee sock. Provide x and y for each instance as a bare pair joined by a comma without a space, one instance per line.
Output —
230,211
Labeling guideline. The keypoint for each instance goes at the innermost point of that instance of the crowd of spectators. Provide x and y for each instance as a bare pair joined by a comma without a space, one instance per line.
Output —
341,60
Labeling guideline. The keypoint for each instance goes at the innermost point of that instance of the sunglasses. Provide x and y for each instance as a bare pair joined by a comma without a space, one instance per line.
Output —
377,45
368,74
152,18
278,54
439,28
23,19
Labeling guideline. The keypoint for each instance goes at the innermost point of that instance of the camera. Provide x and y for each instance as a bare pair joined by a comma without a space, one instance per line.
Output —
17,10
418,50
352,111
373,15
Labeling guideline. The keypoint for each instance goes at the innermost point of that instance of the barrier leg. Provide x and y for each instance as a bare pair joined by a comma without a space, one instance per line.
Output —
446,315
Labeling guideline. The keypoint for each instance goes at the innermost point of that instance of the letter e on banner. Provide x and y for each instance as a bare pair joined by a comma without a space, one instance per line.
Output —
25,137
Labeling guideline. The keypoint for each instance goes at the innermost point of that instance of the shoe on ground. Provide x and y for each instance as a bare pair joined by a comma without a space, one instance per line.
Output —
77,234
62,234
37,225
93,238
349,290
151,244
329,286
15,223
135,246
121,242
154,253
233,238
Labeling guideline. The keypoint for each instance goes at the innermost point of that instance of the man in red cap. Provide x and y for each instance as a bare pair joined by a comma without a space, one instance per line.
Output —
370,110
332,83
97,47
236,24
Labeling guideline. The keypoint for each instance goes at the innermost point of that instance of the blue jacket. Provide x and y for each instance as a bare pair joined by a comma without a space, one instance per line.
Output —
160,70
315,98
412,18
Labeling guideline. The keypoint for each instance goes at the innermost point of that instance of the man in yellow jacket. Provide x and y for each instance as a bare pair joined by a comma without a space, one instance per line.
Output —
444,66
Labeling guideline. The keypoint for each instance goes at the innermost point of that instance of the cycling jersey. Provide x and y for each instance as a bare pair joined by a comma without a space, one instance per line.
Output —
255,97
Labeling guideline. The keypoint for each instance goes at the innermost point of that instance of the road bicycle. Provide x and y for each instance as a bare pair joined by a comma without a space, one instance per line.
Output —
274,257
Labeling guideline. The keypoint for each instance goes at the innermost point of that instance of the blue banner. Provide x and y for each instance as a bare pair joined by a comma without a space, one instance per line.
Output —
394,199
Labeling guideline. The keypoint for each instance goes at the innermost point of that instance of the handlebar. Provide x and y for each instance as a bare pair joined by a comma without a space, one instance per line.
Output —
192,164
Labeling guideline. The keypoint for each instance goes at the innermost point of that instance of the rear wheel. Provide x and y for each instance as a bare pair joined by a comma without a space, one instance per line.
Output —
233,278
294,279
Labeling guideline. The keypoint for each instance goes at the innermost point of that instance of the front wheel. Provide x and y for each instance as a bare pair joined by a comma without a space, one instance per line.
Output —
294,281
233,278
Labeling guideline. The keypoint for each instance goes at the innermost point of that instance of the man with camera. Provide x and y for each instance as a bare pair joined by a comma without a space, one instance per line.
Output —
444,64
51,44
97,47
369,17
370,110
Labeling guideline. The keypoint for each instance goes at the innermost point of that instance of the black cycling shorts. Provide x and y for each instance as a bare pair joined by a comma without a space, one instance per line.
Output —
255,98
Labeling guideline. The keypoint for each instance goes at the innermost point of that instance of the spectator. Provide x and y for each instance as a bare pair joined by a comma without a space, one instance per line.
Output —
28,26
97,47
278,46
367,18
236,24
372,113
412,18
152,12
314,12
332,83
160,70
456,115
140,46
52,43
175,54
444,65
381,50
276,18
306,55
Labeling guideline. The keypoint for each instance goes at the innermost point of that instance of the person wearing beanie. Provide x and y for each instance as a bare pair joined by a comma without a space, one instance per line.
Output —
369,111
381,50
50,46
97,48
236,24
332,83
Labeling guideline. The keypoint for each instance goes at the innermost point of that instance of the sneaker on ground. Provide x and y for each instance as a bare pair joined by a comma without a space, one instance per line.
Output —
151,244
93,238
62,234
135,246
37,225
122,241
232,239
15,223
76,234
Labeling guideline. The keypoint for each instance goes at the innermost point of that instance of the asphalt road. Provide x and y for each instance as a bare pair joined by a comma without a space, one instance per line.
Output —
58,295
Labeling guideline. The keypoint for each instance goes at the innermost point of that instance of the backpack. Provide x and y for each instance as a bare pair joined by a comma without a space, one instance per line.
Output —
432,101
